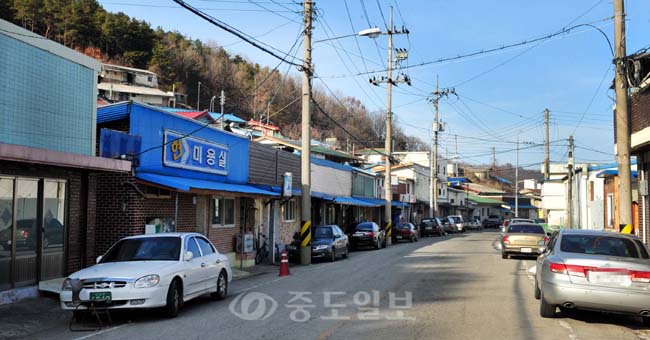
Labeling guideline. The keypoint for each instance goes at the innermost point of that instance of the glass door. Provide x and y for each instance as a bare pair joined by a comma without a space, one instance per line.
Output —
26,233
6,230
53,230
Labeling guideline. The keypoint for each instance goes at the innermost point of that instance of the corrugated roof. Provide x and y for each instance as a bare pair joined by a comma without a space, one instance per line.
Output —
330,164
148,91
113,112
187,184
484,200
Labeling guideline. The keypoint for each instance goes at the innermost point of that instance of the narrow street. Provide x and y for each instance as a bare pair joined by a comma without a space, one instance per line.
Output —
461,289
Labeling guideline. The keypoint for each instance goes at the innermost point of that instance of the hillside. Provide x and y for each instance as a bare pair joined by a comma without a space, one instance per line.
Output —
251,89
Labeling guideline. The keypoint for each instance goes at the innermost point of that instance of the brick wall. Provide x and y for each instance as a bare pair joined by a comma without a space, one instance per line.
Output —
640,111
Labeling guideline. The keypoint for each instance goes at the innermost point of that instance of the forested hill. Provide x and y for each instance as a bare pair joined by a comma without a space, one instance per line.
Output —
116,38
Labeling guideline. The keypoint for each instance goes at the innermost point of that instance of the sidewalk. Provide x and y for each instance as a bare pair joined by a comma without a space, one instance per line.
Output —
34,317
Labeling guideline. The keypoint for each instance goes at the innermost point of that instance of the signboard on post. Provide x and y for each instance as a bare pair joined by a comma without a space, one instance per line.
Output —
193,153
287,187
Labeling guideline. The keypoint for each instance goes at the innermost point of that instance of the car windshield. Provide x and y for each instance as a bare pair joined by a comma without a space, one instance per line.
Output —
455,219
526,228
364,226
145,249
323,232
599,245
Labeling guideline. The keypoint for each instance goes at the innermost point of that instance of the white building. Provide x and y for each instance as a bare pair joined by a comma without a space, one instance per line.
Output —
120,83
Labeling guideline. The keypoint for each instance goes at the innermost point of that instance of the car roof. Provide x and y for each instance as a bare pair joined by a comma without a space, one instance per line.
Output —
595,232
525,223
164,235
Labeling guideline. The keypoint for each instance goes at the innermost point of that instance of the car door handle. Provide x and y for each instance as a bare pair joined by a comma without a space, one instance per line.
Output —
218,261
203,264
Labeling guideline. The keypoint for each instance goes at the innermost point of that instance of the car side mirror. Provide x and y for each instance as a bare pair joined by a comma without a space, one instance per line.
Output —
99,258
543,249
189,255
548,234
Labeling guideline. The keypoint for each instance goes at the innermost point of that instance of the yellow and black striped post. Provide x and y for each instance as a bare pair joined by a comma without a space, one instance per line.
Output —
389,231
305,234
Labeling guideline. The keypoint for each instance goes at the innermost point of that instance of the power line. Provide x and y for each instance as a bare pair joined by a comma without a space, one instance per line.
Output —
236,32
609,67
494,49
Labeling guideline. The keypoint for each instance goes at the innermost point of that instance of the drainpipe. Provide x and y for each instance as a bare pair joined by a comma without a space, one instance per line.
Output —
176,213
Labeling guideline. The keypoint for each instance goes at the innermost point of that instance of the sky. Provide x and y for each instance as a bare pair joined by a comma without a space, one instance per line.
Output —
500,96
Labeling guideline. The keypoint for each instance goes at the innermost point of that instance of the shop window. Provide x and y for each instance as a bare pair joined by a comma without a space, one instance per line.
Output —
223,212
155,192
289,211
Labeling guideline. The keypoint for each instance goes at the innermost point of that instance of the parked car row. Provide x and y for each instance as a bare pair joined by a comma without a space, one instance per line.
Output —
579,269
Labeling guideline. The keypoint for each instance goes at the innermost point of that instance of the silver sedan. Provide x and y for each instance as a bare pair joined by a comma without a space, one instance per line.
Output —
594,270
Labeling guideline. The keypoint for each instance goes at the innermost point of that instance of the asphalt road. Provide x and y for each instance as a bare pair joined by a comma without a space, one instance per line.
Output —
460,289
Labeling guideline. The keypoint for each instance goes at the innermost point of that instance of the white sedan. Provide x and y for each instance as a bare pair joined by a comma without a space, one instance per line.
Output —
150,271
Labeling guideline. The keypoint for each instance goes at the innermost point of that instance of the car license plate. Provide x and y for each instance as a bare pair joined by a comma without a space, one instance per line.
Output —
428,228
399,237
359,234
526,250
610,278
101,296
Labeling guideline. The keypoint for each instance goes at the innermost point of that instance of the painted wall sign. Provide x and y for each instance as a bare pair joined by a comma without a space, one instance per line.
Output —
195,154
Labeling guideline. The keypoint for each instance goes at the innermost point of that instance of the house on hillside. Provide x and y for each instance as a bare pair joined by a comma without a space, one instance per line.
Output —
121,83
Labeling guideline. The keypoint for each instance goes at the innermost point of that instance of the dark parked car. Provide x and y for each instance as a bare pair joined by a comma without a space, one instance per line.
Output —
368,234
493,221
405,232
431,226
329,242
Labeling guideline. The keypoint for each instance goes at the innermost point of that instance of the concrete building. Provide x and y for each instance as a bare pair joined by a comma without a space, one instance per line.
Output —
48,163
120,83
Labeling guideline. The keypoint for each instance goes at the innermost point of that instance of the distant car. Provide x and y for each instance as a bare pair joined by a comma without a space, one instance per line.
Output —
493,221
474,224
447,226
431,226
329,242
368,234
149,271
457,222
594,270
405,232
507,222
523,239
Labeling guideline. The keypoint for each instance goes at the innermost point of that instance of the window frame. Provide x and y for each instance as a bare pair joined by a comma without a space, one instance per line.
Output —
222,207
289,208
197,238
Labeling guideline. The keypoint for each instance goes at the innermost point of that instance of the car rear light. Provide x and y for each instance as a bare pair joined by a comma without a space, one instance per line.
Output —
25,233
557,268
505,240
545,239
371,234
638,276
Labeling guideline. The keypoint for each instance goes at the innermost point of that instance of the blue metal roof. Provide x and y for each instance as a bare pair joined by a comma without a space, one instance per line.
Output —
501,179
113,112
522,206
186,184
607,166
228,117
353,201
380,202
614,172
330,164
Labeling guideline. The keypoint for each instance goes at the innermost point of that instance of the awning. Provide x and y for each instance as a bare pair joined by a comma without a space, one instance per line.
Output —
353,201
399,204
187,184
323,196
523,206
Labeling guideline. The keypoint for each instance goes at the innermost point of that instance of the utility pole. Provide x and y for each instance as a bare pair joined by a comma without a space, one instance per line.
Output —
305,152
437,127
569,223
517,181
622,118
222,101
494,158
547,157
401,54
198,98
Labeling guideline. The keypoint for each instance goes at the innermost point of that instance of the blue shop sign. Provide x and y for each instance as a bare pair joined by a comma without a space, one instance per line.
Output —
194,154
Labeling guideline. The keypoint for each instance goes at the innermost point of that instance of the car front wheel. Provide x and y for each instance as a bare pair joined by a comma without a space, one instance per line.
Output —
538,292
333,257
222,287
174,299
347,251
